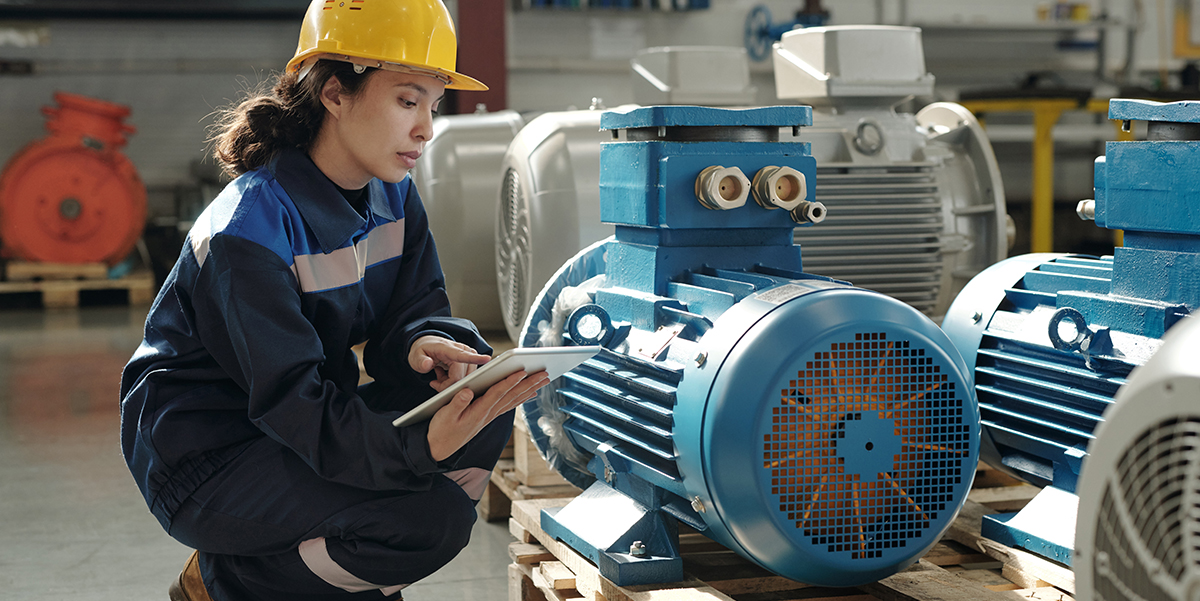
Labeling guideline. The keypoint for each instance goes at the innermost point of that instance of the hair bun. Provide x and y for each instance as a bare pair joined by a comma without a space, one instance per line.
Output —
263,116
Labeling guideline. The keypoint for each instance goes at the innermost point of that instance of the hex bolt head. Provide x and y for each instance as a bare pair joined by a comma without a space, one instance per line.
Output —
637,549
809,212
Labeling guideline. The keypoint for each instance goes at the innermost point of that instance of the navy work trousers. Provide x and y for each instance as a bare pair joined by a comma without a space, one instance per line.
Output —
269,528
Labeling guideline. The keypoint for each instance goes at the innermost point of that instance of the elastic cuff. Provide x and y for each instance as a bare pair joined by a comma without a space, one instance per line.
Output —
415,443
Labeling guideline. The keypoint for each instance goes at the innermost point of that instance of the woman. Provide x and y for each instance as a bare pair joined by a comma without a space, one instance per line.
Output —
242,419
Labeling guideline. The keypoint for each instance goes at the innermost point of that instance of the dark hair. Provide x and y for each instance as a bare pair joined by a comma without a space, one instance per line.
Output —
270,118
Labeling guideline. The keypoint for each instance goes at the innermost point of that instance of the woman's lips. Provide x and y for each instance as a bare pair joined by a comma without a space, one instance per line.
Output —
409,158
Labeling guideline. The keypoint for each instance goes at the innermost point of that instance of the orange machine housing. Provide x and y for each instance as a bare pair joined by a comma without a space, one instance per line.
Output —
73,197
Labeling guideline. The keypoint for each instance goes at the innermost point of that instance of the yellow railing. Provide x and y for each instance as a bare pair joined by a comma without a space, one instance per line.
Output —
1046,113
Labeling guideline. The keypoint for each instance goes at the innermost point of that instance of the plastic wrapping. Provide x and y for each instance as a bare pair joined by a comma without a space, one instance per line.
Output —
573,285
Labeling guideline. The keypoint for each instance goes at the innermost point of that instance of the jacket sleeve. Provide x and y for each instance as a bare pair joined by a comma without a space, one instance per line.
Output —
418,307
249,318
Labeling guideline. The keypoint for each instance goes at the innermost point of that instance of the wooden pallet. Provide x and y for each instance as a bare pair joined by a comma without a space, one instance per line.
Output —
505,487
525,476
962,567
60,284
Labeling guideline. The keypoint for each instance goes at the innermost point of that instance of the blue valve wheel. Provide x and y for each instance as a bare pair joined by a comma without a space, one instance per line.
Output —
757,37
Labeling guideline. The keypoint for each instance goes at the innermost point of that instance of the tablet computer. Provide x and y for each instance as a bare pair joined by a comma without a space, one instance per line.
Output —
555,360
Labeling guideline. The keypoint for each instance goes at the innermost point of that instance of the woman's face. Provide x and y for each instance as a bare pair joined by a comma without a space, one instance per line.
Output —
381,131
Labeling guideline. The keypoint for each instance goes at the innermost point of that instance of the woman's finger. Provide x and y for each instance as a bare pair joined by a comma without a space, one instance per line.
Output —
524,391
532,383
501,389
461,401
453,352
529,395
456,372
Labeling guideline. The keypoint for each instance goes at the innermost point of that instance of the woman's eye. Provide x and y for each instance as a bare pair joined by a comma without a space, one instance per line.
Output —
407,103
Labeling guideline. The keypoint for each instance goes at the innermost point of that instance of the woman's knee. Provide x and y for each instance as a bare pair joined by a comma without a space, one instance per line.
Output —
455,520
436,524
408,538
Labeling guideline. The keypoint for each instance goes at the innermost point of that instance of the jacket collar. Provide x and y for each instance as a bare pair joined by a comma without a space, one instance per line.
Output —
332,220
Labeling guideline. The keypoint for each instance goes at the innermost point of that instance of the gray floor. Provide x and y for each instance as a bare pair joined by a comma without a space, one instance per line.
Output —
74,524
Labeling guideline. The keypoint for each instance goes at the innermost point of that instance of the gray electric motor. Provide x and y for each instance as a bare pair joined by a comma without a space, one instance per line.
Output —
916,206
459,178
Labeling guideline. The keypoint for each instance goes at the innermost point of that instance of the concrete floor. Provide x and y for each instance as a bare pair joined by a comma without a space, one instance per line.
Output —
74,523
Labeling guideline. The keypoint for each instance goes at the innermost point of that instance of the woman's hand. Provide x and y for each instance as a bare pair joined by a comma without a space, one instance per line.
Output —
450,361
458,422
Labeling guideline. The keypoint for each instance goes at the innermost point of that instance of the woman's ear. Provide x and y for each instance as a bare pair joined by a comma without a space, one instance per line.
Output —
331,96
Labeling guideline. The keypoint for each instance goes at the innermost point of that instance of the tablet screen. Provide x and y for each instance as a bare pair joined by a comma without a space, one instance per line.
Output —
556,361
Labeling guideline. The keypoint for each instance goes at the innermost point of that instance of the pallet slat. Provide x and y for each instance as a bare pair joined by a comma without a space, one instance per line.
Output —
529,553
58,292
557,575
520,584
927,582
27,271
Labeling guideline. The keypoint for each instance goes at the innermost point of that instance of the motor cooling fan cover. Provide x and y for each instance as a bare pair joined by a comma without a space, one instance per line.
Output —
1138,532
836,433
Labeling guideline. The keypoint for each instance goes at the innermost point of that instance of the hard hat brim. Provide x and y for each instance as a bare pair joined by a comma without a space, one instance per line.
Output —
453,80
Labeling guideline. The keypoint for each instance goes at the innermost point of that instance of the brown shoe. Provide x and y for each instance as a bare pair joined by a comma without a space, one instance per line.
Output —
189,586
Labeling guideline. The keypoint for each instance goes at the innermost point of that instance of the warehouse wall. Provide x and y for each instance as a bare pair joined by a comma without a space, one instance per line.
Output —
173,73
560,58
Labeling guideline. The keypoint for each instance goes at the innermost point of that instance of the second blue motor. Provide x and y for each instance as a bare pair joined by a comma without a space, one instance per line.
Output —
827,433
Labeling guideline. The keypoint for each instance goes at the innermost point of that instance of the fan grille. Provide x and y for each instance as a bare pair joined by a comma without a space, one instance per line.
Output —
866,447
1155,512
512,257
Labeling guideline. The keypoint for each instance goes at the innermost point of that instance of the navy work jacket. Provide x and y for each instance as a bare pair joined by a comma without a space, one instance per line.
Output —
251,336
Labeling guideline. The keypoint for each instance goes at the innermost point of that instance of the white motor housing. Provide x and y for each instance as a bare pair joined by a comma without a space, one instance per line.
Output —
828,65
549,206
916,205
459,178
1138,530
702,75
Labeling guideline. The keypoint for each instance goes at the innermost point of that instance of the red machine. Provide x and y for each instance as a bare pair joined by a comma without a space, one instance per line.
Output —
72,197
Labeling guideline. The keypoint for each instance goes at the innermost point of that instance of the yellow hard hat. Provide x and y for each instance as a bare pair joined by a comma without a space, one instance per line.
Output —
411,36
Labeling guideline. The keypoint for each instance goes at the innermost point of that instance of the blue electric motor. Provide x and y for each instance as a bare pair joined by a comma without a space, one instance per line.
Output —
825,432
1052,337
